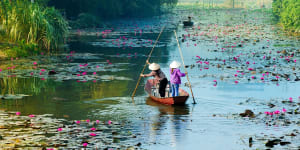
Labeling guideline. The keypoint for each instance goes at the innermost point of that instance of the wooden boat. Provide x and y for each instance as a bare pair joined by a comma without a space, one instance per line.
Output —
178,100
188,23
168,109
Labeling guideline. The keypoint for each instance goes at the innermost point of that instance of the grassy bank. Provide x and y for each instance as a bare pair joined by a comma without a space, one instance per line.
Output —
28,28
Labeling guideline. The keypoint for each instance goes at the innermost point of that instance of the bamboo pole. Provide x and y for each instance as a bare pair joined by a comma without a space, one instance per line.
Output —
187,77
139,80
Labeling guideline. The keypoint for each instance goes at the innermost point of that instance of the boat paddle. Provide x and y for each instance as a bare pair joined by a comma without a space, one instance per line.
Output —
139,80
187,77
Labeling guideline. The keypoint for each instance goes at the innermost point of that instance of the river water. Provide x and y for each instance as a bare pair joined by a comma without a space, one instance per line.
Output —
243,38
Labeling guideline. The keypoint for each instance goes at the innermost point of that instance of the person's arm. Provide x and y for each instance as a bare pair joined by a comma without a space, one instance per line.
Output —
148,75
148,62
181,74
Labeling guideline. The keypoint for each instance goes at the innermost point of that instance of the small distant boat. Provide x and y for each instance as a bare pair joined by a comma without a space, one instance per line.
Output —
188,23
178,100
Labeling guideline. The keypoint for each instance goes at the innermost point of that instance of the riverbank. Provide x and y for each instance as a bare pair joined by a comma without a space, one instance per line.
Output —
45,132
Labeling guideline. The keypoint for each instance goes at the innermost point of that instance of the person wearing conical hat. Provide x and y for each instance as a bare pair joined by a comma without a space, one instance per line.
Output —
175,77
159,76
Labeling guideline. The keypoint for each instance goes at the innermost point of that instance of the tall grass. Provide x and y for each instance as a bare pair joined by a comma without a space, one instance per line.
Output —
35,24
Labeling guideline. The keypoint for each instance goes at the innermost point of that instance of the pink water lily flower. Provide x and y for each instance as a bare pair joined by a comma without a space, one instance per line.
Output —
97,121
283,110
34,63
84,144
78,122
109,122
276,112
18,113
199,62
59,129
93,134
31,116
236,82
93,129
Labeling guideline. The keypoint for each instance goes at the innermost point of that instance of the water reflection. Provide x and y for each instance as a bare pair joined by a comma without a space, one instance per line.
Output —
68,98
168,109
173,120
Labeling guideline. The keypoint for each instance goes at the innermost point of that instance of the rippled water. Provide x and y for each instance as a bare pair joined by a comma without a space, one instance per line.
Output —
210,124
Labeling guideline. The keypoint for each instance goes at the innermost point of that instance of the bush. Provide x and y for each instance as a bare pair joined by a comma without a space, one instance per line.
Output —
288,14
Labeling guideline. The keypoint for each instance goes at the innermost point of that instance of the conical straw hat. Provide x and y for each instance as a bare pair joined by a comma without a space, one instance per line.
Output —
175,64
154,66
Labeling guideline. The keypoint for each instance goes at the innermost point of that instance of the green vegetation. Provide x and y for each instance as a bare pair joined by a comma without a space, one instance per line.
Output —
89,13
287,12
30,27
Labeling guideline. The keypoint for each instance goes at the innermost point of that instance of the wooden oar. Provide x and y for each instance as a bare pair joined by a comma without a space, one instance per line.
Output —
187,77
139,80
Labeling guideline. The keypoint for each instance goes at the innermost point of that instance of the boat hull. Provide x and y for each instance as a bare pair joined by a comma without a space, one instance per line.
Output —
178,100
188,23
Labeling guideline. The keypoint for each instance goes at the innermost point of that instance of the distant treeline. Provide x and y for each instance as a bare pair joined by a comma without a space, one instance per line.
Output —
111,8
287,12
90,13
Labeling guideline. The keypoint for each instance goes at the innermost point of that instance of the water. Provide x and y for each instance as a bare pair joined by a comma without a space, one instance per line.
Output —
212,123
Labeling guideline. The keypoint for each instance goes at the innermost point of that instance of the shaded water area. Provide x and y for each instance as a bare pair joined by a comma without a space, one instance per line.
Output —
255,66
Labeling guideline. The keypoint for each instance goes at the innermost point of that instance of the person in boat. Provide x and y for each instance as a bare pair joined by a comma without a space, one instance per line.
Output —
159,76
189,19
175,77
188,22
